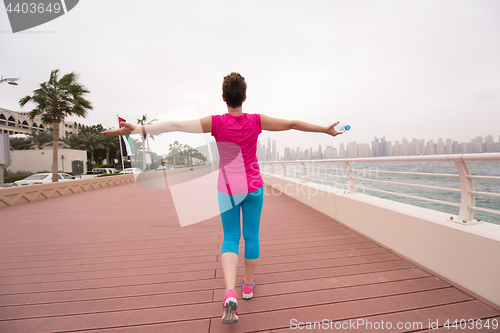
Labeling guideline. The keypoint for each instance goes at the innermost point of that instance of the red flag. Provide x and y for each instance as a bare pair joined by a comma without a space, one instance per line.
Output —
120,121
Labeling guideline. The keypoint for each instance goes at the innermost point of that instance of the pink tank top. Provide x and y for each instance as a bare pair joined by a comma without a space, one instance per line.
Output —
236,138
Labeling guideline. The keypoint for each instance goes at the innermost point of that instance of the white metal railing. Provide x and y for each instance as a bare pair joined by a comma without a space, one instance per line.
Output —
467,203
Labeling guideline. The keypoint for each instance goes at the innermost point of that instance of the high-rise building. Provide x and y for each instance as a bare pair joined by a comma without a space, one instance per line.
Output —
259,151
342,150
383,147
440,148
320,152
431,148
464,148
389,149
376,147
288,154
363,150
489,142
352,149
329,152
415,147
274,155
396,149
404,147
268,153
449,147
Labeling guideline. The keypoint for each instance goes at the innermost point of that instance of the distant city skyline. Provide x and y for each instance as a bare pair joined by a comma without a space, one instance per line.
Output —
379,147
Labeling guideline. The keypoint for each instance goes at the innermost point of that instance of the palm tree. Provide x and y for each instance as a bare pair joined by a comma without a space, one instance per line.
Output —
144,121
175,148
55,100
90,142
137,145
20,144
109,143
39,140
71,142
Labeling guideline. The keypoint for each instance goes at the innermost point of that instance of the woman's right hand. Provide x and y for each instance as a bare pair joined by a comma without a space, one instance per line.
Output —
125,130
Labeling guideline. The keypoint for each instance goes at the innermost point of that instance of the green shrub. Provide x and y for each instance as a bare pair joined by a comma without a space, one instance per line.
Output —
21,173
109,166
110,174
13,178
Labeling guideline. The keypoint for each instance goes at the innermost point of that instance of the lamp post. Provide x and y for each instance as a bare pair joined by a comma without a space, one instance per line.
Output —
10,80
62,162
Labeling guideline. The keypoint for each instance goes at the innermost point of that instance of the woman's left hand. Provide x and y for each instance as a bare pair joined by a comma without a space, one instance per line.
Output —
330,130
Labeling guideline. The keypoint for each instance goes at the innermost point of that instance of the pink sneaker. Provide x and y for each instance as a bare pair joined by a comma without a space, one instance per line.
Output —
248,290
230,308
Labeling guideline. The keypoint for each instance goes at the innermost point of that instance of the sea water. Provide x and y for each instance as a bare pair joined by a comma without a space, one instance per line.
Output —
370,170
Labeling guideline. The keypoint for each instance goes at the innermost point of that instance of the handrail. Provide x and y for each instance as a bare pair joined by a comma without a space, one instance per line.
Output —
467,193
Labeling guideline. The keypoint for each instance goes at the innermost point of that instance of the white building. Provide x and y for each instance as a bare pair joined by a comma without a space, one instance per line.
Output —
13,122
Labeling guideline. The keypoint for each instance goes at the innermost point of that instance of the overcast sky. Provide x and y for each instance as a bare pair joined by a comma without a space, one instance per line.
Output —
414,69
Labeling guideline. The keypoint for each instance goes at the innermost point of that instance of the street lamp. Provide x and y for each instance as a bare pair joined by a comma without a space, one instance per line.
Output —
10,80
62,162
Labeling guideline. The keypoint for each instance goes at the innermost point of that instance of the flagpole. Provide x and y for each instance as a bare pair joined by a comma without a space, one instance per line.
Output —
120,139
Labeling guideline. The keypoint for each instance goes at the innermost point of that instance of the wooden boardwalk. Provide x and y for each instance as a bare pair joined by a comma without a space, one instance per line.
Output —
116,260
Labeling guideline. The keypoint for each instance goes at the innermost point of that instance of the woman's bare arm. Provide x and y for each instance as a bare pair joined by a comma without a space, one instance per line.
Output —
203,125
276,124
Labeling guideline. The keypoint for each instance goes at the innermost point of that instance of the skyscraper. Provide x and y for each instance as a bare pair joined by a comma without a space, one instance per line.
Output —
268,154
342,150
273,152
415,146
431,148
449,147
440,148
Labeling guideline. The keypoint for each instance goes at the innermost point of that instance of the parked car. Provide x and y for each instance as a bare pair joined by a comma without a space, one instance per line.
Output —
42,178
104,170
131,170
164,167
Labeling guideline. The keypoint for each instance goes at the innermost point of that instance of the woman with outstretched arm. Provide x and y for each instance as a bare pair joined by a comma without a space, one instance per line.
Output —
236,134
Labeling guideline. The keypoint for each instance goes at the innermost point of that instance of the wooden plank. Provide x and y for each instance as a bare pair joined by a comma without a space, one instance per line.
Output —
330,283
104,282
420,320
337,311
314,264
104,305
113,319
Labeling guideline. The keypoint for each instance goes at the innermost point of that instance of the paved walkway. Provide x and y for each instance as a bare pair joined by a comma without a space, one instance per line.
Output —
116,260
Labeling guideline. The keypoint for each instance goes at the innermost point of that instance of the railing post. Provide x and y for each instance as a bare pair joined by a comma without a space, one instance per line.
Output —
305,180
350,174
272,168
467,199
284,169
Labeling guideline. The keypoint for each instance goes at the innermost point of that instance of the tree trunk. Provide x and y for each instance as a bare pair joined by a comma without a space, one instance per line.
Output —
55,139
107,155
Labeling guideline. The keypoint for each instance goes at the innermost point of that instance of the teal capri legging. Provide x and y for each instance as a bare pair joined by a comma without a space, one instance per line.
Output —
251,206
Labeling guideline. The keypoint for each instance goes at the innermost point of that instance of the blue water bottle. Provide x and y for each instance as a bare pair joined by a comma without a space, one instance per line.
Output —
341,128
